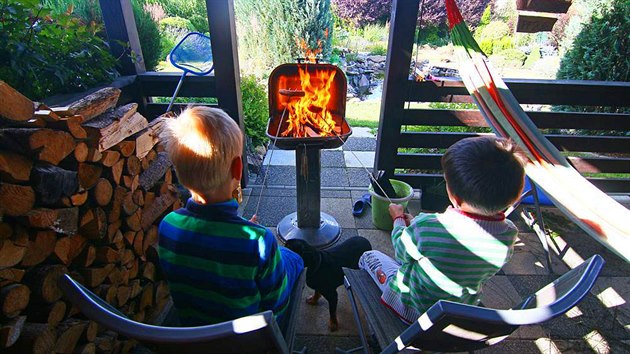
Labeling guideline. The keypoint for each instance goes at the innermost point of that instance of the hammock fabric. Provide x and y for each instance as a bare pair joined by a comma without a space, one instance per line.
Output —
595,212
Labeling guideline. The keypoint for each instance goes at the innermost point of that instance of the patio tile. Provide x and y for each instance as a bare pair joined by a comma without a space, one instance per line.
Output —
314,318
614,294
277,157
334,177
360,144
359,158
278,176
362,132
325,344
529,258
273,191
335,193
587,315
272,209
332,158
358,177
365,221
340,209
379,239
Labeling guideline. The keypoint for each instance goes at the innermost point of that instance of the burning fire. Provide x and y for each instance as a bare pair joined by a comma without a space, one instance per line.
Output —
308,108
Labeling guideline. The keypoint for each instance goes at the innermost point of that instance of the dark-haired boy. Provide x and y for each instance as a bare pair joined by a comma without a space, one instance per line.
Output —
448,256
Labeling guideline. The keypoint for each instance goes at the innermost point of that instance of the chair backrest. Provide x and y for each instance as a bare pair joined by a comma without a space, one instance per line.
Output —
450,326
258,333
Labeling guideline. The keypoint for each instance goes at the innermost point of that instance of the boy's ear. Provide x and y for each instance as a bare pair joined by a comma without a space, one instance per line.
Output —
237,168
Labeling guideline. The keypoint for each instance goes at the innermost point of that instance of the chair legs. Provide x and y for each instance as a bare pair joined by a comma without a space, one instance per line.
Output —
365,347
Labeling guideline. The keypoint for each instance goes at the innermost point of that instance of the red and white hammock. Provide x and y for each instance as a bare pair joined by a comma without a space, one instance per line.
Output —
595,212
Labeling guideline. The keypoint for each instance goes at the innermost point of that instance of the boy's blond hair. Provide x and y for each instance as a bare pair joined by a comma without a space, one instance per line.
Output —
202,142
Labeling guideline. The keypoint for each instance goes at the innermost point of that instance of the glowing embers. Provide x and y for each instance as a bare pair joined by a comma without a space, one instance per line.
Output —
308,113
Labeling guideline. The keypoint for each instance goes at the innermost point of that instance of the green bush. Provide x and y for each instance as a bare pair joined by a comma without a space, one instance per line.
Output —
149,36
87,10
495,30
436,35
376,32
377,49
255,109
600,51
44,53
487,46
513,55
193,10
176,22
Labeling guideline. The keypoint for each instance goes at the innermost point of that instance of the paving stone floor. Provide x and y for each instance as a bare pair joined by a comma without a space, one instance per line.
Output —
600,324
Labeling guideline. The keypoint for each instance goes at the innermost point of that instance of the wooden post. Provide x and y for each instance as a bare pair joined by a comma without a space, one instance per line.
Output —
226,69
120,26
395,87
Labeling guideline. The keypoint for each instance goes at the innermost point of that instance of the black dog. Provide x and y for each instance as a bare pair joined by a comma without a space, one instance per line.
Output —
324,273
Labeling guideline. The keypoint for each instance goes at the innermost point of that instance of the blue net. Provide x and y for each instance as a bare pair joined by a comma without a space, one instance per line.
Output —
193,54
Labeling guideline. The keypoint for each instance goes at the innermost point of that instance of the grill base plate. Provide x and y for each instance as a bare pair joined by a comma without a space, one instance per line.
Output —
323,237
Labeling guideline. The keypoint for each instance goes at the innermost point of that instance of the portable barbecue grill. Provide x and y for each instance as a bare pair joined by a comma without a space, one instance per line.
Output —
292,86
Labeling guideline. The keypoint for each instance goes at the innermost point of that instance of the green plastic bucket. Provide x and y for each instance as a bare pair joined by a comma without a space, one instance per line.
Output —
380,205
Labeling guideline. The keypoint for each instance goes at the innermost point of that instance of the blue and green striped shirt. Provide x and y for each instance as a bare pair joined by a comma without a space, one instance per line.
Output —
220,266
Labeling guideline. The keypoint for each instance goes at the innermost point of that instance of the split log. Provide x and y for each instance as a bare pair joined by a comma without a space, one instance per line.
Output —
114,212
93,224
135,287
133,166
150,238
89,174
126,148
122,296
102,192
10,253
126,259
46,113
13,299
115,277
68,333
87,348
96,275
161,204
134,221
112,229
42,281
131,182
91,331
148,271
41,246
71,124
69,248
109,158
42,144
118,241
12,275
155,172
114,126
10,332
106,255
16,200
146,298
129,207
124,275
95,104
36,338
138,197
14,167
81,152
137,243
147,138
64,221
51,183
86,258
79,198
116,171
14,105
5,230
51,314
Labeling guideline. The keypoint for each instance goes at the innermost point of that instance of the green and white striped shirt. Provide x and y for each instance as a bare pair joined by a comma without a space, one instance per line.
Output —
446,256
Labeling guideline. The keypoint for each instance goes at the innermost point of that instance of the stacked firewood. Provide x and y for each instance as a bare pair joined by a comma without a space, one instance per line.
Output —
82,189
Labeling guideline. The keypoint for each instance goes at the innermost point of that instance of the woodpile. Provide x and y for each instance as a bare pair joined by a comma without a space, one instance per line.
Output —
82,190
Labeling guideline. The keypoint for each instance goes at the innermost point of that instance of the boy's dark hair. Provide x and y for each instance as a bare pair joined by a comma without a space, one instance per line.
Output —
485,172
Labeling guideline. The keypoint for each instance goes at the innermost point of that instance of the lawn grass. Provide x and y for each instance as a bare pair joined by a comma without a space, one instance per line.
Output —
363,113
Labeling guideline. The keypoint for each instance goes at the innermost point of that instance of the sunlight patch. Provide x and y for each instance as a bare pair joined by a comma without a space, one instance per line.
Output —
547,346
596,341
248,324
610,298
574,312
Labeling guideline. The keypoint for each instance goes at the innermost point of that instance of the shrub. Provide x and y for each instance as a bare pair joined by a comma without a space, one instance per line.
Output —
513,55
532,58
255,109
149,36
193,10
363,12
176,22
45,53
377,49
487,46
600,51
436,35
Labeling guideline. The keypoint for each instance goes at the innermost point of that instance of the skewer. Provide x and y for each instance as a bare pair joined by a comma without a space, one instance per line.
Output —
292,92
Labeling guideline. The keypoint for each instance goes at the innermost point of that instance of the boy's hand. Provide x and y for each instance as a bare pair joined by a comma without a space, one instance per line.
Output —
396,211
254,219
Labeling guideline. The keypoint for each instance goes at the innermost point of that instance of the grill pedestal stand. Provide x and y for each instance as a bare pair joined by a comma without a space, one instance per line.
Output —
319,229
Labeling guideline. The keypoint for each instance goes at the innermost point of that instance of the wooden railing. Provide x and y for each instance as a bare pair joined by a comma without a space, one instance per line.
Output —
602,147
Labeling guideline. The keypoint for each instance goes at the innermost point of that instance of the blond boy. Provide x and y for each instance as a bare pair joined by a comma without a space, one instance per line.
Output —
219,266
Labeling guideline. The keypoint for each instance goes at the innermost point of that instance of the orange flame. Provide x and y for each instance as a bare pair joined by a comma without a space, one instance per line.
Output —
309,115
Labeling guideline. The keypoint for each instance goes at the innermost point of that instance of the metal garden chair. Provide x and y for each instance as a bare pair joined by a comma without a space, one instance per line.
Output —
453,327
258,333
